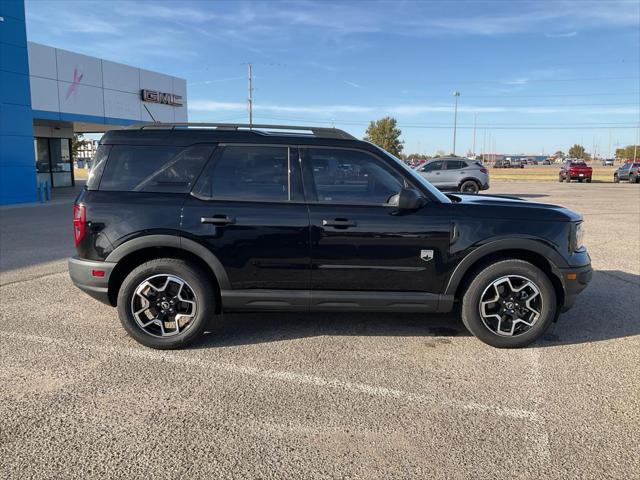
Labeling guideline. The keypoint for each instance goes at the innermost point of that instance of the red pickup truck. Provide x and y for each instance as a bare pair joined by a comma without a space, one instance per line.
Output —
575,170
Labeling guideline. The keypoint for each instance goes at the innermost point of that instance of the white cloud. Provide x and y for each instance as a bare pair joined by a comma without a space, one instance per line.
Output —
561,35
516,81
207,105
403,109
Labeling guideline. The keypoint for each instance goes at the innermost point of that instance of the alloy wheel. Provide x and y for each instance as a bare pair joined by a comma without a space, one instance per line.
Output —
511,305
164,305
470,187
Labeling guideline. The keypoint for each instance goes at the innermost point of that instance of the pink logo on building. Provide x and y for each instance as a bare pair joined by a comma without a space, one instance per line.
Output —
77,78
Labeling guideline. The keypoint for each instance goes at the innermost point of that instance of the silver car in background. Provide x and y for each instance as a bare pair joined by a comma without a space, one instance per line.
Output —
456,173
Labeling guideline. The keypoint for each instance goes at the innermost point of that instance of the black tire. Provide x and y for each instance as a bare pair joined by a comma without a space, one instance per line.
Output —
589,180
560,179
196,279
632,179
616,179
471,303
469,186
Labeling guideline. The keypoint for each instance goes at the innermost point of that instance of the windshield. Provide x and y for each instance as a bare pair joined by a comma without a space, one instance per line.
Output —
416,177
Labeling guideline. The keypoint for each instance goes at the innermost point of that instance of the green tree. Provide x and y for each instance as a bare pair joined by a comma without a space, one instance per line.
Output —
386,134
628,151
77,142
577,151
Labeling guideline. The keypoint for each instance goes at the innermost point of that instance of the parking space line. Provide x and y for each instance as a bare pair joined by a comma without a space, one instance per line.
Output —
539,434
290,377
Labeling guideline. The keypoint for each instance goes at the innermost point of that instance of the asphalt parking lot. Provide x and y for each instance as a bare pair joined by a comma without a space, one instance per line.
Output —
322,395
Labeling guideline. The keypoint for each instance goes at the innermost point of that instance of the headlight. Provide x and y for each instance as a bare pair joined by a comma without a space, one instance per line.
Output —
578,236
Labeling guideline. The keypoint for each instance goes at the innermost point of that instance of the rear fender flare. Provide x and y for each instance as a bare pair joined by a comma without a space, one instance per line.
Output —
173,241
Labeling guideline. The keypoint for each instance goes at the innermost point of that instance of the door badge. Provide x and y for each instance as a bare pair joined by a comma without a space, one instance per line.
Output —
426,255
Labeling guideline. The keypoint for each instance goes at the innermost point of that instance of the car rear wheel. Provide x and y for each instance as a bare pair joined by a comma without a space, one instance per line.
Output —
470,186
616,179
632,179
509,304
589,180
166,303
560,179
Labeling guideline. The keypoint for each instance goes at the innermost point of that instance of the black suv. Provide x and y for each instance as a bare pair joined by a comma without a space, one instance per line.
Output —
179,222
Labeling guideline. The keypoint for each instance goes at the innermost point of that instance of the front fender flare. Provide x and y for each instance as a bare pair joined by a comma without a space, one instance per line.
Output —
529,244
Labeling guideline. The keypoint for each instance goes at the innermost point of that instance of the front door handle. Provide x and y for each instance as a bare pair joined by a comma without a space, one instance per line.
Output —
218,220
339,223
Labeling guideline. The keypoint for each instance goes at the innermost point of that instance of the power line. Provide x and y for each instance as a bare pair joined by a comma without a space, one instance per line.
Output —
465,127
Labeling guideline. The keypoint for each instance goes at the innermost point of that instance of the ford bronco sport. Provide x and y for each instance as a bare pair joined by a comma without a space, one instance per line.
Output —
180,222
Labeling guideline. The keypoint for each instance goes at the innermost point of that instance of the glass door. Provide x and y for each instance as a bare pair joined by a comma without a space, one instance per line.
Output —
43,166
54,162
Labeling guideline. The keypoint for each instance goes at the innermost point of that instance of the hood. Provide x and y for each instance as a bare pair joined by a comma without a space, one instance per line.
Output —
497,206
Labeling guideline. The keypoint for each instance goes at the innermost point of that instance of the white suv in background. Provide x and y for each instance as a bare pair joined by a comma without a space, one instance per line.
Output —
456,173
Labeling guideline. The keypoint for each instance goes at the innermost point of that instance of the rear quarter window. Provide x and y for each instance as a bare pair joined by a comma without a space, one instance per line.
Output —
99,161
160,169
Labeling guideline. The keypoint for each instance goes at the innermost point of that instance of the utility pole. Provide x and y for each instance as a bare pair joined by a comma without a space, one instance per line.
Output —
475,118
455,121
484,144
250,97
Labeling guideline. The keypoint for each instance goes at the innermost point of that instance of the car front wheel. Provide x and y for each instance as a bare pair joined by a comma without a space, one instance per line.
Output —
166,303
509,304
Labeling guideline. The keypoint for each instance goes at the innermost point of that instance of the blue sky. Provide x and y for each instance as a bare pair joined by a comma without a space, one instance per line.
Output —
535,76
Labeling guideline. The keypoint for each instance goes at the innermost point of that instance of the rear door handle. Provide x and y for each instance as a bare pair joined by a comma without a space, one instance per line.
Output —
218,220
339,223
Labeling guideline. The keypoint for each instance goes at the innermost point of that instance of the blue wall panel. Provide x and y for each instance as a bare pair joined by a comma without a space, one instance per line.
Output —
12,8
17,159
14,59
12,147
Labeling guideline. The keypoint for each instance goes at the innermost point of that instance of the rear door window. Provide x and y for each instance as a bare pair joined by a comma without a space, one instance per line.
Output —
455,165
161,169
255,173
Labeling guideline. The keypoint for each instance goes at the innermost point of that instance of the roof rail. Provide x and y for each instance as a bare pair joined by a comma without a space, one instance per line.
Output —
319,132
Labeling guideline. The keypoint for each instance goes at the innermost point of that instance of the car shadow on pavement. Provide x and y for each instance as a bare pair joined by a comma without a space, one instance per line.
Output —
606,310
251,328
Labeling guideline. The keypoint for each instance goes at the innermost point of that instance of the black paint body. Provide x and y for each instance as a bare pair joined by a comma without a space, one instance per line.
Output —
280,250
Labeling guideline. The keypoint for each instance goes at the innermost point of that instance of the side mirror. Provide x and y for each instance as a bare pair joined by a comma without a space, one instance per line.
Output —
407,199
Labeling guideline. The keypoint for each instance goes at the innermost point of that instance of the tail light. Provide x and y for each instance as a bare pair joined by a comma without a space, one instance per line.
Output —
484,170
79,223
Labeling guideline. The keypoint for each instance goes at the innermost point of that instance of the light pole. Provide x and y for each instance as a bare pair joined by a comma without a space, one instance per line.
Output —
455,121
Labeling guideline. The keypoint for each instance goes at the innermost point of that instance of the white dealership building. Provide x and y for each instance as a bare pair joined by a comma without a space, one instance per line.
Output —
49,94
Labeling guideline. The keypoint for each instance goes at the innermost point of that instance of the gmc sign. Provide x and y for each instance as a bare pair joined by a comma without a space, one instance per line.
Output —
153,96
